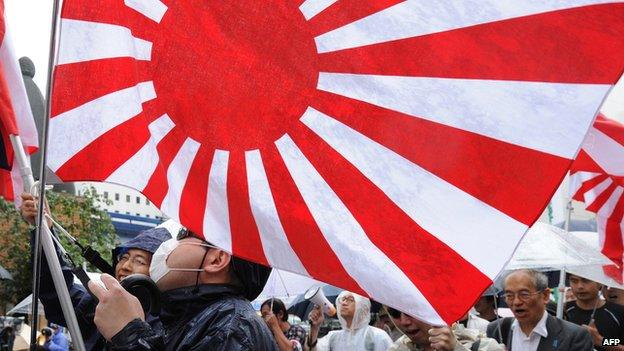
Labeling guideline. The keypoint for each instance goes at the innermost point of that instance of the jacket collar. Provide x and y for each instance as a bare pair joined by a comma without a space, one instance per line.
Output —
184,303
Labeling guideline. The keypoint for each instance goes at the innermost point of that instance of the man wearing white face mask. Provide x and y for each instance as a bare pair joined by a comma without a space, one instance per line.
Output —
205,302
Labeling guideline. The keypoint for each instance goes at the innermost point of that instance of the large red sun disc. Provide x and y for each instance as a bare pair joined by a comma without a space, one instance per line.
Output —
258,70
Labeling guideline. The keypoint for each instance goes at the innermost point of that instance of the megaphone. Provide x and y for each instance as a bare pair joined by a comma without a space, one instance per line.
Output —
317,297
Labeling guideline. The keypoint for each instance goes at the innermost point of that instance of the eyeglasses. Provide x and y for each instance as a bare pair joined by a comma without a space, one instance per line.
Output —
134,260
522,295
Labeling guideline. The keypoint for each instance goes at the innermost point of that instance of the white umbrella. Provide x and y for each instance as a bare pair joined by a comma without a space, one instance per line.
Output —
285,286
24,307
546,247
595,273
4,274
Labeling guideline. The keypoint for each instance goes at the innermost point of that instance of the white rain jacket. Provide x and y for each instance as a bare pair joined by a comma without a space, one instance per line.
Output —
360,336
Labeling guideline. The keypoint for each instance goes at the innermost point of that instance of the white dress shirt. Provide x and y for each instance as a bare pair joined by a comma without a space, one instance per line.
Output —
523,342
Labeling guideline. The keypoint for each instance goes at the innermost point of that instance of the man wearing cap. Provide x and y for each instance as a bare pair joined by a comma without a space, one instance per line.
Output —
133,257
205,302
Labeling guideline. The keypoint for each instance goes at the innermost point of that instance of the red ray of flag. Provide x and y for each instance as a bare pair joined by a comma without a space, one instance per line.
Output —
398,149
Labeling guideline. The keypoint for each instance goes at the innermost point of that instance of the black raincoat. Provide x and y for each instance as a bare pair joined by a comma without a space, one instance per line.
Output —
207,317
84,304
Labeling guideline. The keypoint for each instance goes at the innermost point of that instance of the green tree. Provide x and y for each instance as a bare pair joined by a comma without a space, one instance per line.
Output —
81,216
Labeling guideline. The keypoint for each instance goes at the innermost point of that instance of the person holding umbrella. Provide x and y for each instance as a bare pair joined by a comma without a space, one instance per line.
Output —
603,319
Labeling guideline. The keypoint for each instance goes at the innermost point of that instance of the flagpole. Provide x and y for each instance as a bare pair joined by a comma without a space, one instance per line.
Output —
562,272
43,235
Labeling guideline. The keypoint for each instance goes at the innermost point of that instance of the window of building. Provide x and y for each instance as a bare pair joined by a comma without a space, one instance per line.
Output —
138,200
128,199
116,196
127,213
148,216
138,215
106,194
147,201
116,211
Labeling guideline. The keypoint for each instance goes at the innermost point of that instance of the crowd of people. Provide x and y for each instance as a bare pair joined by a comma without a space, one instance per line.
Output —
205,294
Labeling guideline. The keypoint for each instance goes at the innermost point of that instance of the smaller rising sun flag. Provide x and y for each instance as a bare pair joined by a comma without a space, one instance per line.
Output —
597,178
15,115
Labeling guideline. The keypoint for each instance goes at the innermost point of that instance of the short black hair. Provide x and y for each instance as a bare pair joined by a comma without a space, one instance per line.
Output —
278,306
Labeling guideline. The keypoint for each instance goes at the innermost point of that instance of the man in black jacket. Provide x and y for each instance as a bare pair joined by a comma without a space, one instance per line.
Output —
532,328
133,257
205,303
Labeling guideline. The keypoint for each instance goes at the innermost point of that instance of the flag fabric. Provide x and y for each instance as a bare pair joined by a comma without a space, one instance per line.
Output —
397,149
15,115
597,178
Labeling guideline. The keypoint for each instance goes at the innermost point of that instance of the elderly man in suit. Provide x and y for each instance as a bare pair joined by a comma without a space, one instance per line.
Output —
532,328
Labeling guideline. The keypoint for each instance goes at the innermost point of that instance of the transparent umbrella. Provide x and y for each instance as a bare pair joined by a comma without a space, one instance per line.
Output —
4,274
285,286
595,272
546,247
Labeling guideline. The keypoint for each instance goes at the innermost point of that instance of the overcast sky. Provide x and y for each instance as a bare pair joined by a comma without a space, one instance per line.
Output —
28,22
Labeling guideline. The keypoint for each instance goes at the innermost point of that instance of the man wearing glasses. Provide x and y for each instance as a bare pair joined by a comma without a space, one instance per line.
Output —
532,328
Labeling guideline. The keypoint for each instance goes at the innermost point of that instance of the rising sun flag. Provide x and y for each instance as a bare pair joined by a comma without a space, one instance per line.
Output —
397,149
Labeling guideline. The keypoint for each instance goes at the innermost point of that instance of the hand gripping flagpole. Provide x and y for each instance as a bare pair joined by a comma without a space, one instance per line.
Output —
43,235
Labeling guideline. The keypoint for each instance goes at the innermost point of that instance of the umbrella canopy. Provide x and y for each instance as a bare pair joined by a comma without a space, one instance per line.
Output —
4,274
546,247
24,307
285,286
595,273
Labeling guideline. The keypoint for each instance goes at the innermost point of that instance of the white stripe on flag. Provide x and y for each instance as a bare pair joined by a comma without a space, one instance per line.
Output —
275,243
311,8
348,240
601,223
71,131
608,153
86,41
152,9
591,195
17,92
138,169
613,107
177,174
577,179
609,206
415,18
548,117
443,210
216,214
